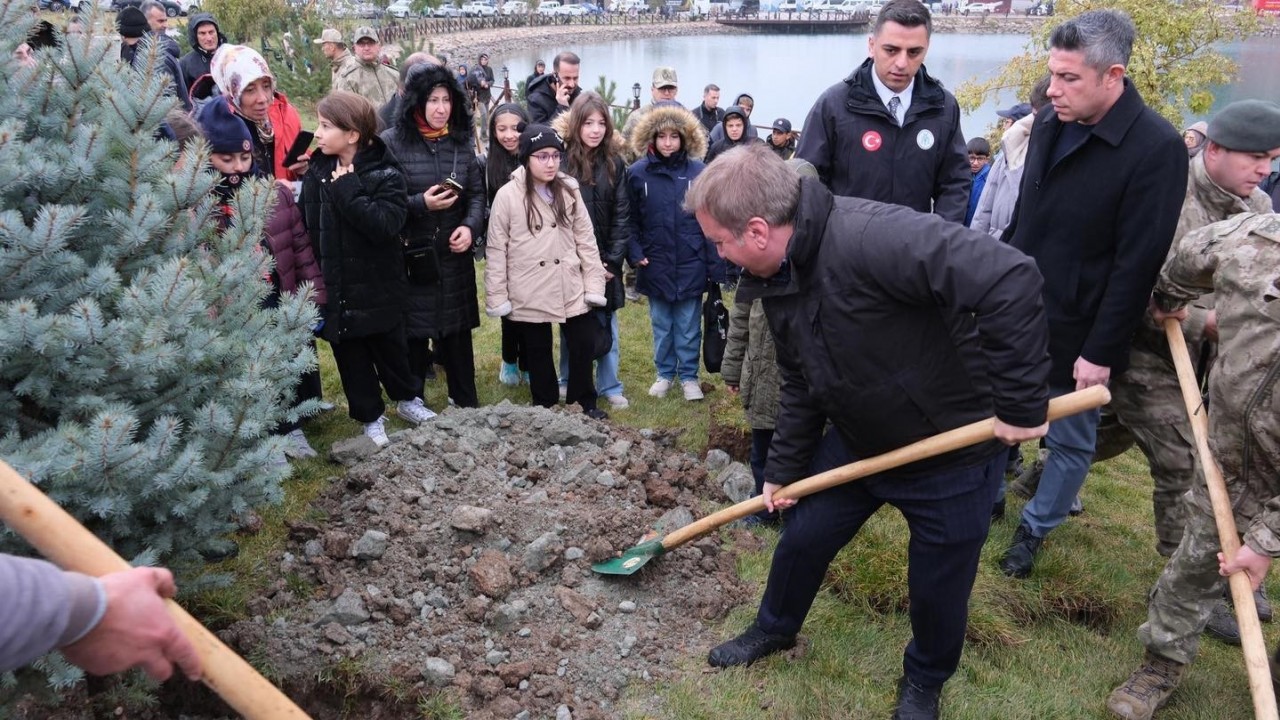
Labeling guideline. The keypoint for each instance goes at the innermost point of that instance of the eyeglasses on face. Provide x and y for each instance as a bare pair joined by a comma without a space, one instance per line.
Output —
547,158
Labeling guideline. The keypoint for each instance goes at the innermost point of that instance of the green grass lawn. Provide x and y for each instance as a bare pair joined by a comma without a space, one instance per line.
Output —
1052,646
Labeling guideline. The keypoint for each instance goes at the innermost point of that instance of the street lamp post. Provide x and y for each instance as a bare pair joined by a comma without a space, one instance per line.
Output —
635,96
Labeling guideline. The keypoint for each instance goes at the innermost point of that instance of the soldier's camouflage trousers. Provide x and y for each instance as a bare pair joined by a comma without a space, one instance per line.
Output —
1186,591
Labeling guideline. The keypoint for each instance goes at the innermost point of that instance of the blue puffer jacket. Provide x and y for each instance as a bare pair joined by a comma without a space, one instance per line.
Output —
680,258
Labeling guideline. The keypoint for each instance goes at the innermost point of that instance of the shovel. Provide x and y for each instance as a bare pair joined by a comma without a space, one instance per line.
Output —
67,543
635,558
1255,649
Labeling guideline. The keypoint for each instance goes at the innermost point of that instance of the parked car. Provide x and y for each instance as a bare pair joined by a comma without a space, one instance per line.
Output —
515,7
549,7
400,9
788,6
478,9
571,10
171,8
981,8
447,10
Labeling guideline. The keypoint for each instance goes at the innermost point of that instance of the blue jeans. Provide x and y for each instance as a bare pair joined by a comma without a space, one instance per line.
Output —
677,337
607,381
1070,443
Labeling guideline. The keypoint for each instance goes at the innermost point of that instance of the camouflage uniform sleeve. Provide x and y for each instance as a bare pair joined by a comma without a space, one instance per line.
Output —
1188,271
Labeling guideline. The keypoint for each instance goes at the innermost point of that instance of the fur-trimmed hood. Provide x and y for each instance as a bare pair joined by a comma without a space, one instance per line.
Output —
617,145
422,79
669,117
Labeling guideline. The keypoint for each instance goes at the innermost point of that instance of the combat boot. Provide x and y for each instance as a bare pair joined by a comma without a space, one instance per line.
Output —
1021,555
1222,624
1028,481
1147,689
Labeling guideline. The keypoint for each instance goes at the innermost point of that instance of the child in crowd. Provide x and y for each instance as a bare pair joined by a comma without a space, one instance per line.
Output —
673,259
231,155
543,268
354,203
594,159
502,160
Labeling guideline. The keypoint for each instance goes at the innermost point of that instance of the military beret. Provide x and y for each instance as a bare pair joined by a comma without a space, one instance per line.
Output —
1246,126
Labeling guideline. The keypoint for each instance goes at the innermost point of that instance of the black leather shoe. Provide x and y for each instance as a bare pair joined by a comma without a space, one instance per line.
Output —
997,510
1021,555
596,414
1264,606
749,647
916,702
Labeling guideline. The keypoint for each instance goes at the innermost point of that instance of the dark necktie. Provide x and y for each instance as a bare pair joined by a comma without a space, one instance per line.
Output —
895,103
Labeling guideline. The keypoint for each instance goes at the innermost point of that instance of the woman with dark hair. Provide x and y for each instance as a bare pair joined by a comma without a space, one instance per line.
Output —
432,140
543,269
353,203
497,165
594,158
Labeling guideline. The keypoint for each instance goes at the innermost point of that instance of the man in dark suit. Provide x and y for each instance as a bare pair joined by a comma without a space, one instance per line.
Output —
1101,193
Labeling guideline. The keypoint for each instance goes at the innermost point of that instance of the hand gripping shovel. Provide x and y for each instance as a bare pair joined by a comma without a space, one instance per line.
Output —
61,539
972,434
1255,649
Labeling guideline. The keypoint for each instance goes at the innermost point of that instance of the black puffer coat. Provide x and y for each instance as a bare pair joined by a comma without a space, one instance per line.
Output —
610,209
354,223
449,306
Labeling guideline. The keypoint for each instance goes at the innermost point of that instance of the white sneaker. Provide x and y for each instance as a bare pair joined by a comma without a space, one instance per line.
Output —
660,387
618,402
414,411
326,406
297,445
564,392
375,432
692,390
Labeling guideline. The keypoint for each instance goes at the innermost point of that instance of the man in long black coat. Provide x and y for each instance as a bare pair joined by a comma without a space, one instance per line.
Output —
891,342
1101,193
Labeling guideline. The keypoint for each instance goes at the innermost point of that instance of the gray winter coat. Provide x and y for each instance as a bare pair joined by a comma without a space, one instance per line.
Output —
750,363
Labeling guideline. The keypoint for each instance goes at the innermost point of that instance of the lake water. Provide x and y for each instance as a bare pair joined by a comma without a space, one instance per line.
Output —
786,73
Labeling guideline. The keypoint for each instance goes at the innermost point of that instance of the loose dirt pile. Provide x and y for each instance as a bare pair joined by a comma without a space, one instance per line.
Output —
459,558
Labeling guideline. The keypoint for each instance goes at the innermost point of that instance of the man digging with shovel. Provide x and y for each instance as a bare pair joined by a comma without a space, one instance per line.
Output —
892,326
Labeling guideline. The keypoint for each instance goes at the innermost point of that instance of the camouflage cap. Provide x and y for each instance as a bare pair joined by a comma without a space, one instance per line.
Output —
365,32
329,35
665,77
1246,126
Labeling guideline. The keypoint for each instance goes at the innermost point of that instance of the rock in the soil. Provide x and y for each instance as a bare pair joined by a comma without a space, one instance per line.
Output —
574,553
673,520
371,546
348,609
626,607
352,450
576,604
606,479
506,616
438,672
543,552
717,459
491,575
568,430
659,492
564,713
471,519
737,482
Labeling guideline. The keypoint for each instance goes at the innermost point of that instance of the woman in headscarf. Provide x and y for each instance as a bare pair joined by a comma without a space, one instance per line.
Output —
244,78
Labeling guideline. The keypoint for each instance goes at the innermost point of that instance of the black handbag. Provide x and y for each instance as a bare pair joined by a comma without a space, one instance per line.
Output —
421,265
715,329
602,340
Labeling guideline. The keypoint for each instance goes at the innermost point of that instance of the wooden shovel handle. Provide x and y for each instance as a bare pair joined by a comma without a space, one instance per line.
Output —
960,437
1255,649
67,543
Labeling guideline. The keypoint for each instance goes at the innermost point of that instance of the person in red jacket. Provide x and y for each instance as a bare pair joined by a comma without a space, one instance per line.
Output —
286,239
245,80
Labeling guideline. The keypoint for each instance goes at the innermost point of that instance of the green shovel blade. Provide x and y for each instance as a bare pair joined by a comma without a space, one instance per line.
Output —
631,560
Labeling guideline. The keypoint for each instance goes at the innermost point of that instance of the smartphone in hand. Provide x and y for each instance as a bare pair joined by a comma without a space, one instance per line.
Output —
299,148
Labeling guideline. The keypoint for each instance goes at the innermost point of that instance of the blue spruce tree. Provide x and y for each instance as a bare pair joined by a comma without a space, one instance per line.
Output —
140,378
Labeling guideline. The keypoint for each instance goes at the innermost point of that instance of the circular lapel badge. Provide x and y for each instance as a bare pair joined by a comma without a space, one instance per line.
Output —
924,139
872,141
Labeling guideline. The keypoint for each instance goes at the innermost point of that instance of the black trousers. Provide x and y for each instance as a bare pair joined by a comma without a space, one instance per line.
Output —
368,364
511,350
948,514
535,342
453,353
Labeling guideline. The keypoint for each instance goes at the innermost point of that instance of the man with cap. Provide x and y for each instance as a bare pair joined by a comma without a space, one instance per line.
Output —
664,88
132,26
1012,115
890,132
1000,193
782,140
1241,142
205,37
1236,258
367,76
341,61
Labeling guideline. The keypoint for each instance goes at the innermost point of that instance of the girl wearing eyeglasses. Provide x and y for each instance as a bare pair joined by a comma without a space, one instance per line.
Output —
543,268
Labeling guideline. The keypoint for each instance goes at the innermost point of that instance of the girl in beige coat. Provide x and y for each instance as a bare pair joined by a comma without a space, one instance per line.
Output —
543,268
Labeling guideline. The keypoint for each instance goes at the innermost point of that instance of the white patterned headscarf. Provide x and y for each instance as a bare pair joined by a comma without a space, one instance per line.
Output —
235,67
